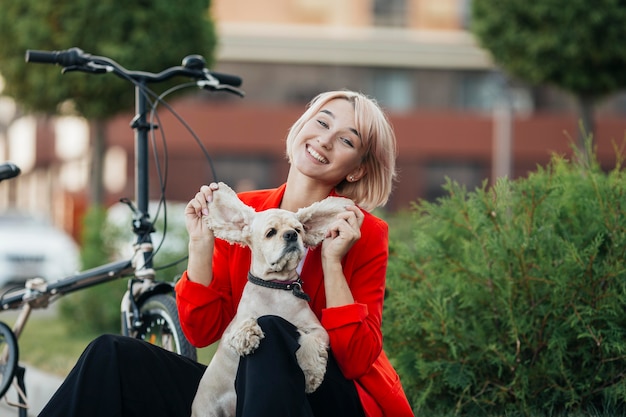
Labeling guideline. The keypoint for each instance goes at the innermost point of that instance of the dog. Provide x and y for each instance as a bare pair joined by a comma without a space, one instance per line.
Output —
277,240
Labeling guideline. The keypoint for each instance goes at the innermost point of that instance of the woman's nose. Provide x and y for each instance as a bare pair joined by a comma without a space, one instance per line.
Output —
325,141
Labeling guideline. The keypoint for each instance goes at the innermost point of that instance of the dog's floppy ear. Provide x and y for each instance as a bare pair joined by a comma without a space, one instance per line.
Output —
229,218
318,217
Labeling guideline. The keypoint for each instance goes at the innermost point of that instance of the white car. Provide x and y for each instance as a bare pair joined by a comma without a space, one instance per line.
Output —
32,247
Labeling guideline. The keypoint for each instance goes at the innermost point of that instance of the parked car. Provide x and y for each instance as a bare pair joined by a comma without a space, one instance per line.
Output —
32,247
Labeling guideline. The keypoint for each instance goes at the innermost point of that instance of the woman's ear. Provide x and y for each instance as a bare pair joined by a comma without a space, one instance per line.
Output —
356,174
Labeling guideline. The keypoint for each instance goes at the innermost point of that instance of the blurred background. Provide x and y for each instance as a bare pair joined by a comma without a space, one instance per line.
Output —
456,114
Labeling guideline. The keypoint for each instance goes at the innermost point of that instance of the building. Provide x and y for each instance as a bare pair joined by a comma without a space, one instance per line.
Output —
454,114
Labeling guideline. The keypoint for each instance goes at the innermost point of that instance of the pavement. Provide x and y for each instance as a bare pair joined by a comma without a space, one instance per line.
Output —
40,387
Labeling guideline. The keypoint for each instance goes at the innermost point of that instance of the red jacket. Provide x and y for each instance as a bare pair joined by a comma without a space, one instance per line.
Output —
354,330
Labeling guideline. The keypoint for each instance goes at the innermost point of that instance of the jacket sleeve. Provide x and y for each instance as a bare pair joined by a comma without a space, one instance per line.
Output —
206,311
355,329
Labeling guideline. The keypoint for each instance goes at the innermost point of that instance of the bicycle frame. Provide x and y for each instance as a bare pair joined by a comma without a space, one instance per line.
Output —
37,293
142,225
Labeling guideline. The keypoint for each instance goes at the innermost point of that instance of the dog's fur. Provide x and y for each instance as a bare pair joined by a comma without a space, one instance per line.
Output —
277,239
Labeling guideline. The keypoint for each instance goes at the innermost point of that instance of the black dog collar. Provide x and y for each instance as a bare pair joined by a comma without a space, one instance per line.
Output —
294,286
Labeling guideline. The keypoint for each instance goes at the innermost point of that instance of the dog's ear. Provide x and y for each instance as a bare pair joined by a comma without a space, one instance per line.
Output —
229,218
318,217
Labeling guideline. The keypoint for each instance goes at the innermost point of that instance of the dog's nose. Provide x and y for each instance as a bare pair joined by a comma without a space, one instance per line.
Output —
290,236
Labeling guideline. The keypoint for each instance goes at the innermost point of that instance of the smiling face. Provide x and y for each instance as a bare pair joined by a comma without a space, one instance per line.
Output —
328,147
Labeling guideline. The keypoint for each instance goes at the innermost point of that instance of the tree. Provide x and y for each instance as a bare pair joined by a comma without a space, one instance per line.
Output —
145,35
573,44
140,35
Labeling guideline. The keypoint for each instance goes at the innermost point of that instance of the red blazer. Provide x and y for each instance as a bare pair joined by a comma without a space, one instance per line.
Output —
354,330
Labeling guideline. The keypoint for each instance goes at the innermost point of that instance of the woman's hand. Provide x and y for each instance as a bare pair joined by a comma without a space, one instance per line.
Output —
196,209
342,234
201,239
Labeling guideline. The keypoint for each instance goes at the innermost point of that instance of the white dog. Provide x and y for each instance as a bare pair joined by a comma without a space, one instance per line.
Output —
277,239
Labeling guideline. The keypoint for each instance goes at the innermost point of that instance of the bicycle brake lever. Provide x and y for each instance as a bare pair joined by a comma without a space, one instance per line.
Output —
207,85
90,68
129,204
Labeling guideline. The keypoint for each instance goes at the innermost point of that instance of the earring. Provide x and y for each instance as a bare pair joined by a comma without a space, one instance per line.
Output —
351,178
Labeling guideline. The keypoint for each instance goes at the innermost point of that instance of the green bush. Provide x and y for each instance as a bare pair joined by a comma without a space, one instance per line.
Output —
95,309
107,236
511,300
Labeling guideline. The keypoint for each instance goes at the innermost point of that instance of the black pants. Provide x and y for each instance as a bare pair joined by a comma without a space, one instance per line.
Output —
118,376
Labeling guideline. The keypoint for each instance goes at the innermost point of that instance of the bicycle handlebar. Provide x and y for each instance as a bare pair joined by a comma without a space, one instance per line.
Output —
193,66
9,170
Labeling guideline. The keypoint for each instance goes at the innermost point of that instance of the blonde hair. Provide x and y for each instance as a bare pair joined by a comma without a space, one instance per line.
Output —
379,141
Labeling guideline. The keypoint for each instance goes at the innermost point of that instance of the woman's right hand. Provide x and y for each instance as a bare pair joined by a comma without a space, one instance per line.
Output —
196,209
201,239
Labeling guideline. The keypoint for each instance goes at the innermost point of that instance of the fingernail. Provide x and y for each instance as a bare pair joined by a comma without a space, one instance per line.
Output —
205,212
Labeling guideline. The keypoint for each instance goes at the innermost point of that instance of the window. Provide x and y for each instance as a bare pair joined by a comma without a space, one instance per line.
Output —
483,91
479,91
393,89
390,13
465,13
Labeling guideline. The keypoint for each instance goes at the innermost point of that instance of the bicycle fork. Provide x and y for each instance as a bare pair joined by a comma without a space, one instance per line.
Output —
142,283
140,288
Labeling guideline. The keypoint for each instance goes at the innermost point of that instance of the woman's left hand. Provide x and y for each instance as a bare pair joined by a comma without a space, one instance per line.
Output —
342,234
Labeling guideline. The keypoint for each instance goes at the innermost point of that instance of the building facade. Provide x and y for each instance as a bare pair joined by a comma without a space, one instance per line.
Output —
455,115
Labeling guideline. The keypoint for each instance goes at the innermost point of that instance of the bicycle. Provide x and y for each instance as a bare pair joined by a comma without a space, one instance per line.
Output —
148,307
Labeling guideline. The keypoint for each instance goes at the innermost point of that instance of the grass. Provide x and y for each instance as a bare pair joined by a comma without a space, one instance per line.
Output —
47,345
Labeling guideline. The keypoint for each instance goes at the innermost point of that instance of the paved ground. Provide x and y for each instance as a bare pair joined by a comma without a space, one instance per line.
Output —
39,388
39,385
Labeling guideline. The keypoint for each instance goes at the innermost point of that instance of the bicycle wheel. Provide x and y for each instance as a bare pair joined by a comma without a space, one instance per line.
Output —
8,357
161,327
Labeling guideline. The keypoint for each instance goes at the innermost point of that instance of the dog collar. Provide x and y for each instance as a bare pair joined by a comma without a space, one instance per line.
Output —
294,286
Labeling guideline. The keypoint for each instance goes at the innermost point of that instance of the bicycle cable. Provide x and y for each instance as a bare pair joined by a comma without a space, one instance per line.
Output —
193,66
154,101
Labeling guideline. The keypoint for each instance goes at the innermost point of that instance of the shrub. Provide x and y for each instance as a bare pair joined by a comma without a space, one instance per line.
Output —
107,236
511,299
95,309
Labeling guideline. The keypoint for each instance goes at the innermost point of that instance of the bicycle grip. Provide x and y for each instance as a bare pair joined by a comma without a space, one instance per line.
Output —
9,170
67,58
227,79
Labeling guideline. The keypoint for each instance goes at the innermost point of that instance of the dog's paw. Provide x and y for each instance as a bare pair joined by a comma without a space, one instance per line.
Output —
245,339
312,357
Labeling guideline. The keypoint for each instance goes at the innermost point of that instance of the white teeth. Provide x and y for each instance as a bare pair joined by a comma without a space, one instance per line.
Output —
317,156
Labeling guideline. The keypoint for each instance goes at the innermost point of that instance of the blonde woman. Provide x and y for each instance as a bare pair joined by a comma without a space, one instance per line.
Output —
343,145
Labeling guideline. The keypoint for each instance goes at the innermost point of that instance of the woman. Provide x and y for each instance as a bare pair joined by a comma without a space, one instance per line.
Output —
341,145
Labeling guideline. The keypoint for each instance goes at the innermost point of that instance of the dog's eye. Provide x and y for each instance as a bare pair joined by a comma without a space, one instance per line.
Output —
298,230
270,233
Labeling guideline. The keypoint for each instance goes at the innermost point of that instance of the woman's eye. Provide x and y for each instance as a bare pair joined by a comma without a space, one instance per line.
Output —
323,124
270,233
348,142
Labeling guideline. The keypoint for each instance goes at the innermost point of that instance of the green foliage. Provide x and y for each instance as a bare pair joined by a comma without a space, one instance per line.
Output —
573,44
107,236
95,309
139,35
170,239
510,300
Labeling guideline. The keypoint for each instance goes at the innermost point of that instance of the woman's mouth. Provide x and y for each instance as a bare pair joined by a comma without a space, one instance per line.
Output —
316,155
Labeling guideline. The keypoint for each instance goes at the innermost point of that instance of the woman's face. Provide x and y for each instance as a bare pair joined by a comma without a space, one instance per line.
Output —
329,148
